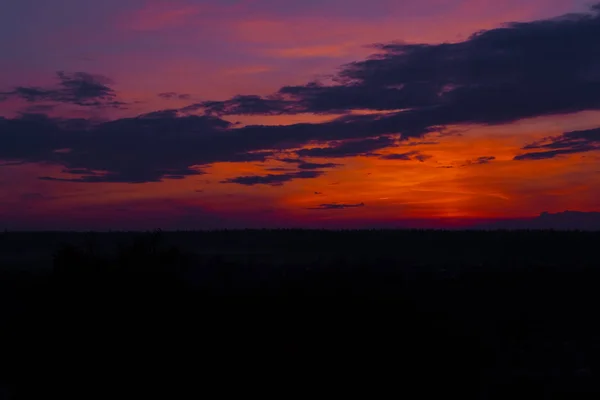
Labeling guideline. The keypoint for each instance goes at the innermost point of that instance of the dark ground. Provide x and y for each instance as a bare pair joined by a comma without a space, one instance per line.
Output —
419,314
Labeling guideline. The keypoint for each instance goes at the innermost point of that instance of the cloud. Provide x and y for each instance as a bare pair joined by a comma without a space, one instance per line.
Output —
146,148
480,160
133,175
272,179
174,96
422,143
308,165
348,148
567,143
280,169
253,156
33,138
411,155
422,157
336,206
247,105
78,88
497,76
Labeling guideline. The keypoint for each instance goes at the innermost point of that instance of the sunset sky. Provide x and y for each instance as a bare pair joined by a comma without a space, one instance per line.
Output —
190,114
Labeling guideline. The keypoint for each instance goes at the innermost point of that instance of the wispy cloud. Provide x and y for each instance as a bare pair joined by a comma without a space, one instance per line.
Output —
336,206
348,148
174,96
480,160
272,179
567,143
411,155
78,88
301,164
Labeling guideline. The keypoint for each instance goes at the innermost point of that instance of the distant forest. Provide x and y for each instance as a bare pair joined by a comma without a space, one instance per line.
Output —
484,315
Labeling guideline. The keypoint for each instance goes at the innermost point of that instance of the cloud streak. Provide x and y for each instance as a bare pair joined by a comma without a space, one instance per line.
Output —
348,148
567,143
337,206
411,155
480,160
78,88
301,164
174,96
273,179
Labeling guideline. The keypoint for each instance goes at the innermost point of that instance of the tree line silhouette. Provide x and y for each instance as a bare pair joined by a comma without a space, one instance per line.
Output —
178,314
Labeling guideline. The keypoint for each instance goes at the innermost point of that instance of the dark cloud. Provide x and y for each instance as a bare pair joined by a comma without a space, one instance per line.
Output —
78,88
336,206
274,180
309,165
497,76
401,156
520,70
280,169
291,160
146,148
261,156
320,99
11,164
241,105
166,145
151,147
133,175
422,143
567,143
174,96
411,155
33,138
348,148
543,155
79,171
568,140
422,157
480,160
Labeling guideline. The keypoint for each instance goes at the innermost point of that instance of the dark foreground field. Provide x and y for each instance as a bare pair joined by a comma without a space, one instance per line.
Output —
417,314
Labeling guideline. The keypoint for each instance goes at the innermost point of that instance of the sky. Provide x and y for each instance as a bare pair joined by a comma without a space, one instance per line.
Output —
192,114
